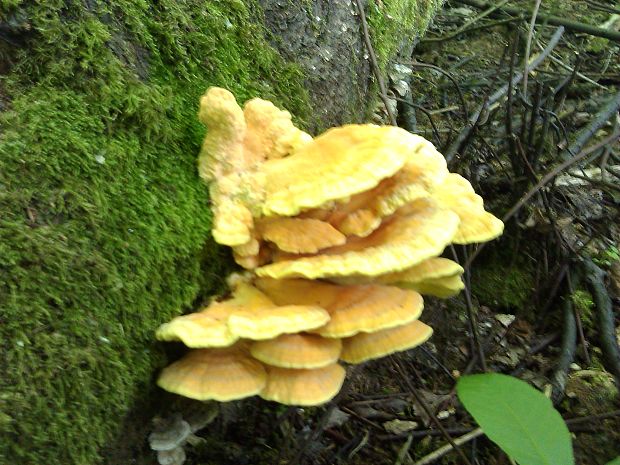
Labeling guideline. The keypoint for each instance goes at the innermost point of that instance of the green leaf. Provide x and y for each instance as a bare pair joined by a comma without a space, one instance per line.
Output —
518,418
615,461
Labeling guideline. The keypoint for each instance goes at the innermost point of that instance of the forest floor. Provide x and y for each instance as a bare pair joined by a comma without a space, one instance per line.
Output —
544,155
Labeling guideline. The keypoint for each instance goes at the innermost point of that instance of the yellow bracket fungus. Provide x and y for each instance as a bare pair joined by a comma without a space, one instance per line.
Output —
368,208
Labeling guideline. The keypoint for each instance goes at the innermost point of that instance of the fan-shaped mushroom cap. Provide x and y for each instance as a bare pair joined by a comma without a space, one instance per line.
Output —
222,149
303,387
270,131
267,323
297,351
340,162
300,235
352,309
214,374
444,287
249,314
207,328
477,225
239,140
401,242
435,267
366,346
425,168
362,213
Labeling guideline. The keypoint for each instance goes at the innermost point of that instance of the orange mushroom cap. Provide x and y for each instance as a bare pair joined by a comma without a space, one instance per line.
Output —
402,241
353,308
444,287
250,314
367,346
476,225
214,374
300,235
297,351
303,387
337,164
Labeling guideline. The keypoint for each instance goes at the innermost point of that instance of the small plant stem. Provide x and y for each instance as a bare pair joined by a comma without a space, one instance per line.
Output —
499,94
375,64
528,44
473,326
428,412
595,278
571,25
443,450
567,352
582,337
551,174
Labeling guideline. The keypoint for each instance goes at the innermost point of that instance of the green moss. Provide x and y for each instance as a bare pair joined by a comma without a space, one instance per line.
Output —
392,21
584,305
503,284
104,232
607,257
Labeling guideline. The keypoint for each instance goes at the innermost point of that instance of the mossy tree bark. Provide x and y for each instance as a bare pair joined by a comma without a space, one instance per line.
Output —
104,223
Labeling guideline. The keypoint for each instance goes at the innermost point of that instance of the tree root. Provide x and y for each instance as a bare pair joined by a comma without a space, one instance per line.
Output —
595,278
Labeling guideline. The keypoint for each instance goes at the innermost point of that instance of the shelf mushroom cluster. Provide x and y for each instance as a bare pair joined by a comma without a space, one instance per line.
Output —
340,235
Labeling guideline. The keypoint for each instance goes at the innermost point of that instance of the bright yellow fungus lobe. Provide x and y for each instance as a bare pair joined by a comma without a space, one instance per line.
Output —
341,234
303,387
214,374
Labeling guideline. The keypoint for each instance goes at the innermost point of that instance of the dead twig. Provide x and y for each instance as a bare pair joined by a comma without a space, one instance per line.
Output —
567,351
609,109
428,412
417,64
543,181
571,25
430,458
498,94
375,64
595,277
465,27
528,44
473,324
580,333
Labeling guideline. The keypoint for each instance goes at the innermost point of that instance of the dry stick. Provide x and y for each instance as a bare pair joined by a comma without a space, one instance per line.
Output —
528,44
417,64
430,458
375,65
602,7
404,451
544,180
567,352
430,355
561,64
607,112
464,27
577,316
428,412
361,418
509,132
499,93
605,316
426,113
601,416
476,345
575,26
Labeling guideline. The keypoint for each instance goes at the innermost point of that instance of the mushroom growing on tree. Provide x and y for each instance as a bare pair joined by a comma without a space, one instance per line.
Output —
340,234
